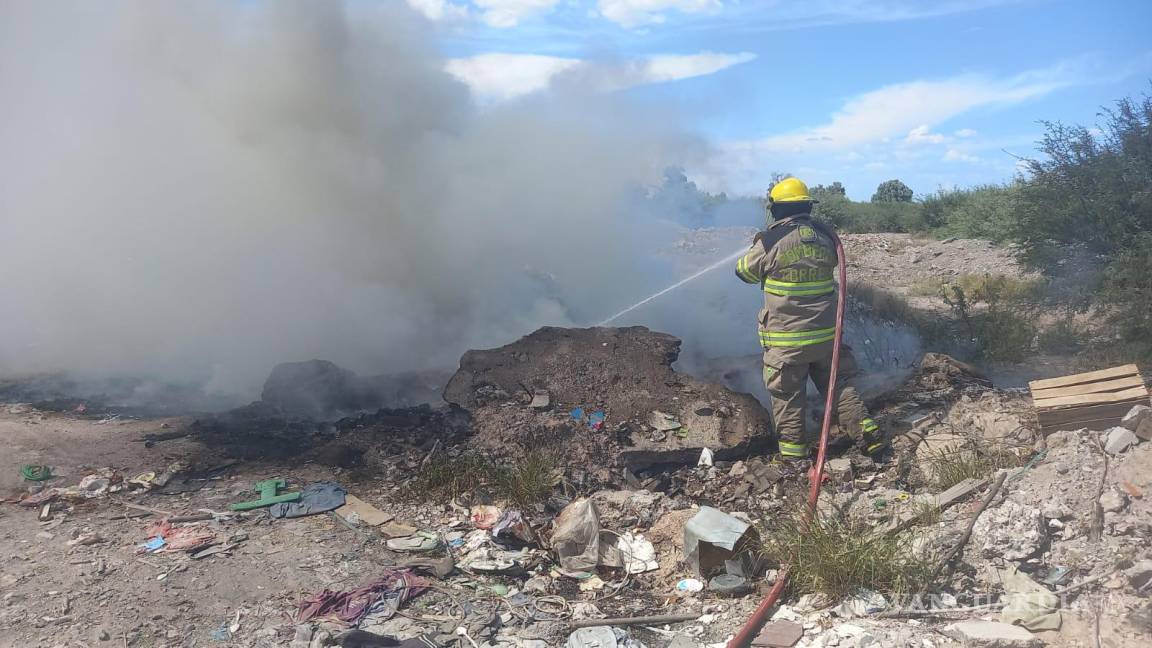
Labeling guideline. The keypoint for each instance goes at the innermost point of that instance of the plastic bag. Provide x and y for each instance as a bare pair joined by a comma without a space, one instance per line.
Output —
577,536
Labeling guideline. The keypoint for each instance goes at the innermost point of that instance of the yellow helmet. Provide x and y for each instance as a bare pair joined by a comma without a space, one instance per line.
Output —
789,190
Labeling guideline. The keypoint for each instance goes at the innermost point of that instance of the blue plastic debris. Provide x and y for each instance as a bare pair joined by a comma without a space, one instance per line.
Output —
577,414
154,545
596,420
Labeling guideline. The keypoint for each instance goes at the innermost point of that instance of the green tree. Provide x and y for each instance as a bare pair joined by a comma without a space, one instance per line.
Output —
892,191
1091,192
834,189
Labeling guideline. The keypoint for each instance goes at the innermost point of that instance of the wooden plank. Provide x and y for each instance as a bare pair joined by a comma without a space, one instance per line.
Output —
1091,376
1091,399
1095,425
961,489
368,514
1089,388
1081,415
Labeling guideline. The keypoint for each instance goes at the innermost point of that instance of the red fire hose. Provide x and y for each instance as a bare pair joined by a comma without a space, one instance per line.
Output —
752,626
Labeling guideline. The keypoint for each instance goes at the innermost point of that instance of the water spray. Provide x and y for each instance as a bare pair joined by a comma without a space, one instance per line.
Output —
727,259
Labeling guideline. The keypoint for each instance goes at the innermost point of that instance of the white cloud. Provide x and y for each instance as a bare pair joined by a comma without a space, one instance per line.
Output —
633,13
956,155
673,67
923,134
439,9
497,77
897,124
909,107
508,13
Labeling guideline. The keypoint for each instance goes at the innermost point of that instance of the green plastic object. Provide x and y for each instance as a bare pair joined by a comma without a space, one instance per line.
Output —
268,496
33,472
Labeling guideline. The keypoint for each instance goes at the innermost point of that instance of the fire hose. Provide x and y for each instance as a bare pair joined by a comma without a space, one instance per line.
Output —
752,626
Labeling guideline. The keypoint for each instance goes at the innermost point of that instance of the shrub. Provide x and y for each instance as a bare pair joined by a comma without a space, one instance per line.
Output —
835,558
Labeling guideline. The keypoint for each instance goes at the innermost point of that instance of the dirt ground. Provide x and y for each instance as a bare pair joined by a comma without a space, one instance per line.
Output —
105,594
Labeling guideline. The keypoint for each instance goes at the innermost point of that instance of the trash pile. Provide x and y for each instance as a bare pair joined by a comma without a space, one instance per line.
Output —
651,527
608,396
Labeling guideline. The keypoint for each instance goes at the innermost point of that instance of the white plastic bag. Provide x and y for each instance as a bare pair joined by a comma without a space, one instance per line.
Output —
576,537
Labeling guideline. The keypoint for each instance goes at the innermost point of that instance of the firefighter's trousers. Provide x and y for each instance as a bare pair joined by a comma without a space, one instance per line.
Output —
786,377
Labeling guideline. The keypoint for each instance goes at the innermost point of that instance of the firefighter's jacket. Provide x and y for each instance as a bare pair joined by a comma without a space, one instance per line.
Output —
793,262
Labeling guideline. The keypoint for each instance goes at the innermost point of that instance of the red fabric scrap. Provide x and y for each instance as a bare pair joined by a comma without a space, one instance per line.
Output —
354,605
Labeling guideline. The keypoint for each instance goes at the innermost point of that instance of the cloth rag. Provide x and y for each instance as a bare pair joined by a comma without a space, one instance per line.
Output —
381,597
320,497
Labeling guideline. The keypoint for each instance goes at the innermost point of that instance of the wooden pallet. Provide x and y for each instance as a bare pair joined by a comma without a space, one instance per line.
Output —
1096,400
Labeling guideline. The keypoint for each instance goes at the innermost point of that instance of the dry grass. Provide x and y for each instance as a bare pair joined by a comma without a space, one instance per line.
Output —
525,480
836,558
982,287
531,478
446,478
950,467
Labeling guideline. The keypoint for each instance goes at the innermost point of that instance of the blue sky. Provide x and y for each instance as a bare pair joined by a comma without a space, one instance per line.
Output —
937,93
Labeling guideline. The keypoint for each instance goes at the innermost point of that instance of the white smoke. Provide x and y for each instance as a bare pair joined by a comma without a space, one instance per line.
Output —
206,188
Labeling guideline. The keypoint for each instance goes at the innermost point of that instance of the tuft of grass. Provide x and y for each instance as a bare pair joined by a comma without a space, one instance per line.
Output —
530,479
525,480
836,558
953,466
445,478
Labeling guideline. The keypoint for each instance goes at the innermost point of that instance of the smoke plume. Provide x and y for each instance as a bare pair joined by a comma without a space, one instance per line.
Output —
202,189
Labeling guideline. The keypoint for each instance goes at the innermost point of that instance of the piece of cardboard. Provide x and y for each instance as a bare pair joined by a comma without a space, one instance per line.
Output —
368,514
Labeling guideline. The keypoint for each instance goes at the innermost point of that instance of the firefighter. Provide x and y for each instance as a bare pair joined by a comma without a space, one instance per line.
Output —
793,262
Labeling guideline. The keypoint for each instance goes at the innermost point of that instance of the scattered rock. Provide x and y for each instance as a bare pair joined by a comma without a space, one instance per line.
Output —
1113,501
1139,574
779,634
594,637
840,470
541,400
863,603
1119,439
729,585
1136,417
991,634
1013,531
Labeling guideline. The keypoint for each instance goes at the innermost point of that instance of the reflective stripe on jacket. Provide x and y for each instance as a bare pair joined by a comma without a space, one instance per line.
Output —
793,262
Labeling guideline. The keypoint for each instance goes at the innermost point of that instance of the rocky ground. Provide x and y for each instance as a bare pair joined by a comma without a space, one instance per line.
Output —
885,259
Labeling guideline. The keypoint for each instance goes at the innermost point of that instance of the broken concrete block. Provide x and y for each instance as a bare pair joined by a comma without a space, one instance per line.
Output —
1139,420
541,400
1135,417
1113,501
1139,574
840,470
1012,531
594,637
991,634
779,634
664,422
1144,430
1119,439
